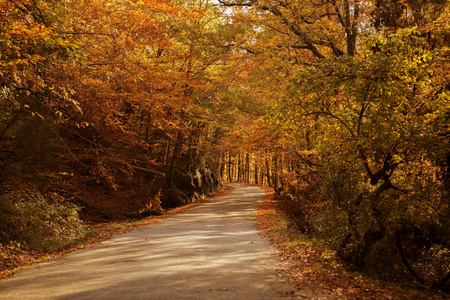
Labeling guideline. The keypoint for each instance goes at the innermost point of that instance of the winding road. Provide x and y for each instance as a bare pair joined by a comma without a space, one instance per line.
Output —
212,251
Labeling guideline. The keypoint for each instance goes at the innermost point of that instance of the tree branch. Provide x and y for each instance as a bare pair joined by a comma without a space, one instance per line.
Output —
87,33
405,261
246,4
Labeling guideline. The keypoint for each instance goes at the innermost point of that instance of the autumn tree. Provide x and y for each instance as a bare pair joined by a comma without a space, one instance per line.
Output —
108,94
139,80
366,119
30,93
31,97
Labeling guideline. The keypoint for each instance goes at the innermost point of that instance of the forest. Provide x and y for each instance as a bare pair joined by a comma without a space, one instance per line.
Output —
119,109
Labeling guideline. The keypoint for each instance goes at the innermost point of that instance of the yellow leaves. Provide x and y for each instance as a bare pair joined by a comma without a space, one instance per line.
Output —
83,125
36,114
30,32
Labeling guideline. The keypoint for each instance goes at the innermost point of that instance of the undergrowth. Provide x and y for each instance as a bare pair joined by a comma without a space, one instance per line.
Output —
27,220
315,269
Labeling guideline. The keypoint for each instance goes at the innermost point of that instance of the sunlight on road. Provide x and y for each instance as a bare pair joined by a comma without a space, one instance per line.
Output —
212,251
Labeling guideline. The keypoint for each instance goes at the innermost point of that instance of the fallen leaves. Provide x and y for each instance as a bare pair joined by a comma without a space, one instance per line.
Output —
315,271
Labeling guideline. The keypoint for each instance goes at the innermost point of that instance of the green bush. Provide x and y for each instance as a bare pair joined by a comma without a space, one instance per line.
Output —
27,218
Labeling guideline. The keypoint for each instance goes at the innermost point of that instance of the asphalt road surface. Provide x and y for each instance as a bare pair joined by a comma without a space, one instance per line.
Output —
212,251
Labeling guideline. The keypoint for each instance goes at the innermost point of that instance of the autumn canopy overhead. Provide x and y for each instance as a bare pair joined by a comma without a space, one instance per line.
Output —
124,108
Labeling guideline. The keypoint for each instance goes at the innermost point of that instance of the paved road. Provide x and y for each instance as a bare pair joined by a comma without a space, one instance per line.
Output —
212,251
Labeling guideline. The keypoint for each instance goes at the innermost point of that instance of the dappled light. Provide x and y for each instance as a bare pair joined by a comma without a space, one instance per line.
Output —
211,251
115,113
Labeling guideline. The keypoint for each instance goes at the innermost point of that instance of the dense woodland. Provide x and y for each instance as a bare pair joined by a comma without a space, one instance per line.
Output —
114,109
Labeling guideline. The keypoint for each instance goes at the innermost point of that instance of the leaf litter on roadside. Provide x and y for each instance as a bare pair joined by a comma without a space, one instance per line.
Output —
315,271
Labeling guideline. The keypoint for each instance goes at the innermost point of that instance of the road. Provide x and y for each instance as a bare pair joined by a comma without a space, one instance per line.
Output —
212,251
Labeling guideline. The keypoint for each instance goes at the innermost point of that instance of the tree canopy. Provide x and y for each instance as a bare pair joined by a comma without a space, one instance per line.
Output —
341,106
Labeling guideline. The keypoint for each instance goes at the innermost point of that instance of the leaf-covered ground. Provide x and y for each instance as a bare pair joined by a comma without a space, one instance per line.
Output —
315,271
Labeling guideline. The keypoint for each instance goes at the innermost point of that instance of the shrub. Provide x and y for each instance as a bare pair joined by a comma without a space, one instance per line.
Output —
399,235
29,219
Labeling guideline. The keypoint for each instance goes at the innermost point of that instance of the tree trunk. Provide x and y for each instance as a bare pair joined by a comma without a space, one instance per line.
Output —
169,142
239,169
446,172
229,167
192,152
275,174
189,153
351,27
175,155
268,172
222,165
404,260
247,168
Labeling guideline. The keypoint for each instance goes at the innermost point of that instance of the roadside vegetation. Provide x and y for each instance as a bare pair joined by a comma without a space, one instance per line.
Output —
315,269
115,110
25,252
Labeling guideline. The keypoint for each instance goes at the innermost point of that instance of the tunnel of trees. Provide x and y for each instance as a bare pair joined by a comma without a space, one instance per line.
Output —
114,109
